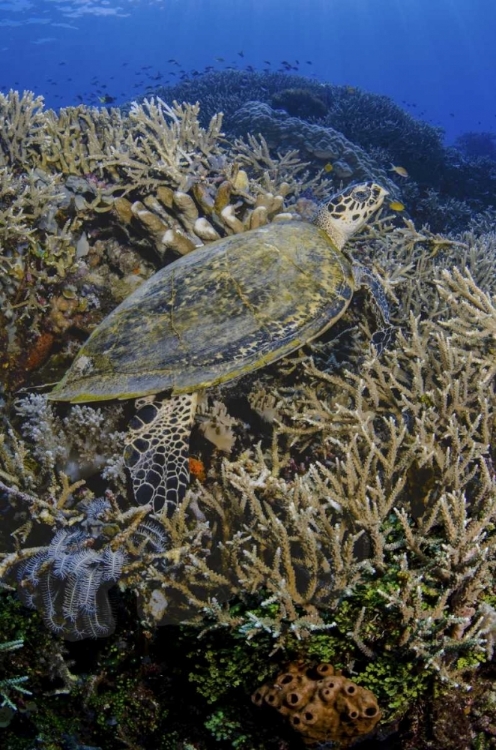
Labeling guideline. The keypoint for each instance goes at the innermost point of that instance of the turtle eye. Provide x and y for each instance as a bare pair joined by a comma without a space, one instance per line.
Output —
361,193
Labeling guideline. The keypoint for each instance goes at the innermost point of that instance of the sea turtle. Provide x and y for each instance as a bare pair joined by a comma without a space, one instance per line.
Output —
220,312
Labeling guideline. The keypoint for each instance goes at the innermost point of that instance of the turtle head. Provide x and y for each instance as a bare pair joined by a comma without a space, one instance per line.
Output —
347,212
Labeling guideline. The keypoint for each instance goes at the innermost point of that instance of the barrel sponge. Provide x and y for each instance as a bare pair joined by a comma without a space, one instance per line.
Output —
320,703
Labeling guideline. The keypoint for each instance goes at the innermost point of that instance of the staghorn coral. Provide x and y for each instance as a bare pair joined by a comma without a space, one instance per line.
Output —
284,174
296,536
83,443
321,704
80,140
169,143
21,127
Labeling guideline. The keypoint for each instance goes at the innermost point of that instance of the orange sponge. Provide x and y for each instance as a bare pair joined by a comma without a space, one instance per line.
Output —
321,704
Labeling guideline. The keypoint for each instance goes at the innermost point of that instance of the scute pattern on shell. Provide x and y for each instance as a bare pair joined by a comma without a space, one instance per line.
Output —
222,311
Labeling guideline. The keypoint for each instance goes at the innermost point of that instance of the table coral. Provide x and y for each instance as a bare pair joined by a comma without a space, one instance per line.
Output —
321,704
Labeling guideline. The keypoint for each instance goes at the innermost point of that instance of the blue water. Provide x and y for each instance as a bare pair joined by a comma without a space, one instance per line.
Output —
437,58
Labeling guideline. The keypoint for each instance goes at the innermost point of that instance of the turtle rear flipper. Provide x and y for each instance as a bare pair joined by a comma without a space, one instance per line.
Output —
157,451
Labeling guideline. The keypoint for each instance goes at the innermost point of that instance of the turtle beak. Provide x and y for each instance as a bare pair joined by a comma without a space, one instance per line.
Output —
380,192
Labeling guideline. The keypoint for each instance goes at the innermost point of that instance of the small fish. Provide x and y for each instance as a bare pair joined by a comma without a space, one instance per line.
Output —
241,54
220,59
399,170
107,99
396,206
328,167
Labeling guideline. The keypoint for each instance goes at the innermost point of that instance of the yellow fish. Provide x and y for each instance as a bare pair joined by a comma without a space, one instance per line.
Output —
328,167
399,170
396,206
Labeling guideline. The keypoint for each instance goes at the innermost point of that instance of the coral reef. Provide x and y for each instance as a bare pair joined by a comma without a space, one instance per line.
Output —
371,122
344,504
321,704
155,178
477,145
300,103
314,142
399,485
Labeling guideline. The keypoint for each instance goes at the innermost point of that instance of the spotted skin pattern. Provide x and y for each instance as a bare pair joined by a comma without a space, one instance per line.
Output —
224,310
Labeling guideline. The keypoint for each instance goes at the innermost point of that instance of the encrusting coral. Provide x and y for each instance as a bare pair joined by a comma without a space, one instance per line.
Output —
321,704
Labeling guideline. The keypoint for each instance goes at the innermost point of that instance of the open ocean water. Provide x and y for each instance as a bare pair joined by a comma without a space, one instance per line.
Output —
437,58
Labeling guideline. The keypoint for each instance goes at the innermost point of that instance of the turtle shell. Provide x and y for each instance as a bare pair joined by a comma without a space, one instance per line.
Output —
224,310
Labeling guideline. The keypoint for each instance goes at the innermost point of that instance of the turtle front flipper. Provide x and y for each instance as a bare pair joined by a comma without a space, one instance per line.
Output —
365,277
157,450
386,334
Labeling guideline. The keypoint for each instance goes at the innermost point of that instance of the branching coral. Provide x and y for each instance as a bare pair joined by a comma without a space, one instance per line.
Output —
21,127
281,175
164,143
400,479
80,445
79,140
